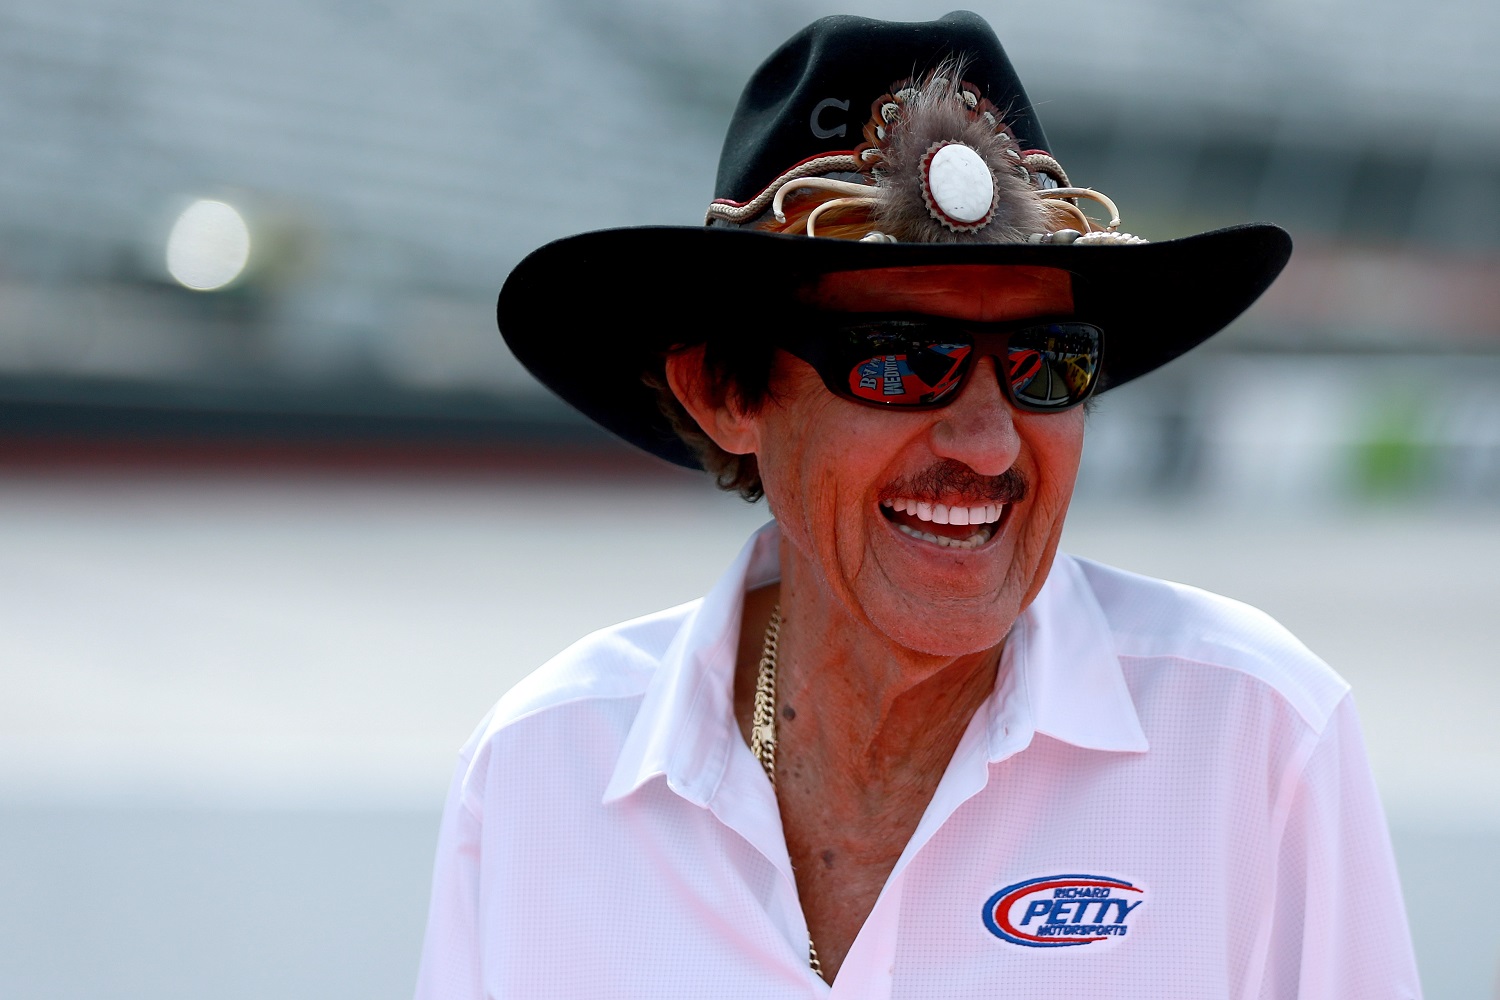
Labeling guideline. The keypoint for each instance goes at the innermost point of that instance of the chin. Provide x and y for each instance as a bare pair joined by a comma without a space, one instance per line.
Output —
948,628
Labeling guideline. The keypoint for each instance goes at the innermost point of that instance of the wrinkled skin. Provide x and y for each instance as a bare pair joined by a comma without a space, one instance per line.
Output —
890,643
827,462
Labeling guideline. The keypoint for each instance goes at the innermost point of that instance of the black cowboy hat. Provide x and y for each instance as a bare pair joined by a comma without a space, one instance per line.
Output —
587,314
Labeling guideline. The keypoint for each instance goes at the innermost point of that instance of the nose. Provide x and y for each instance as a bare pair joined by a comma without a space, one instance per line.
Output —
978,428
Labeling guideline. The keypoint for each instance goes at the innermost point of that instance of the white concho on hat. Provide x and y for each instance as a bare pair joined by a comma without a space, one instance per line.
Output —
957,187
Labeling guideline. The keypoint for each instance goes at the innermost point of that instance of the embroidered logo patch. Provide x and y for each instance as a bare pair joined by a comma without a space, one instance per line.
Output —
1059,911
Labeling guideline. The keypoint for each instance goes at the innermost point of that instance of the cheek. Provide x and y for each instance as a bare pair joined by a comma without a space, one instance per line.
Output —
808,474
1055,444
794,457
804,435
1062,475
820,472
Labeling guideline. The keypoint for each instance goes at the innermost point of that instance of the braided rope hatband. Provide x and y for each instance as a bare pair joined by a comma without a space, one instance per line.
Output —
730,211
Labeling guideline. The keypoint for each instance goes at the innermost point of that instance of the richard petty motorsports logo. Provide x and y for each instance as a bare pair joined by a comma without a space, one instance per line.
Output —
1061,911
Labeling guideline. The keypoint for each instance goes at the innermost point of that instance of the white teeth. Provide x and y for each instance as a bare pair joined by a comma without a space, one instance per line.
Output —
913,532
975,540
941,513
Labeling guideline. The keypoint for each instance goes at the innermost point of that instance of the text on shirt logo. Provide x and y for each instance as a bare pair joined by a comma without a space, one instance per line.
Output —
1060,911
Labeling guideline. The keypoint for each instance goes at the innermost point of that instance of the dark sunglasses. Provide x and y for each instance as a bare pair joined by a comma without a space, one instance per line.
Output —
920,362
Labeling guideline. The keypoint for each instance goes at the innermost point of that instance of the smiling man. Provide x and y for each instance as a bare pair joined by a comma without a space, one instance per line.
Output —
904,748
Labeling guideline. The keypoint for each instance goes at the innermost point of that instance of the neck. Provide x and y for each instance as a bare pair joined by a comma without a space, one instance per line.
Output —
864,731
900,713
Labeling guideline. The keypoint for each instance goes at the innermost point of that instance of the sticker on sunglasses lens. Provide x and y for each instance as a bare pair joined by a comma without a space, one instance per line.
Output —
916,377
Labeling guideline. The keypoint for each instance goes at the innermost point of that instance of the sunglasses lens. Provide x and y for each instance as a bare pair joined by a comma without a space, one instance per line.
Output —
1052,366
906,373
916,362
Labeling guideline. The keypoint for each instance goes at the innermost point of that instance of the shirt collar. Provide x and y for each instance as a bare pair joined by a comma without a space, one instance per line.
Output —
685,728
1060,674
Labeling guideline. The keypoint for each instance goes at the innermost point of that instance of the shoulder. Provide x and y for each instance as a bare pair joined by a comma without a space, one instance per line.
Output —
593,686
613,663
1156,622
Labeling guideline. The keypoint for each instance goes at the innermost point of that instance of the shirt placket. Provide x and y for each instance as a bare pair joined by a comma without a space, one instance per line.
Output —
746,804
869,970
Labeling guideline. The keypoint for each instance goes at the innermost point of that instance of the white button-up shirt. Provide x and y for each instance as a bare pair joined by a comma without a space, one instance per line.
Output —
1166,795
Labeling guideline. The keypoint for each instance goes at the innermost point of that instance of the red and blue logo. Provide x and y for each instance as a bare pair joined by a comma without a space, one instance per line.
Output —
1061,911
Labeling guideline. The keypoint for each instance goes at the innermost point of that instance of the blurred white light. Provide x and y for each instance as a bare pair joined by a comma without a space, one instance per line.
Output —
209,245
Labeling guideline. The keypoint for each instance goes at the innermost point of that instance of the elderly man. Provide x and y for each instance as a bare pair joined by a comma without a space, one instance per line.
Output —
904,748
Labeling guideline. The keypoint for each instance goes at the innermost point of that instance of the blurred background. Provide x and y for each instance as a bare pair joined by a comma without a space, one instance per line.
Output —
280,517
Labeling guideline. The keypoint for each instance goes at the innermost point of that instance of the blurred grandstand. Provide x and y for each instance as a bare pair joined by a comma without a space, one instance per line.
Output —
389,163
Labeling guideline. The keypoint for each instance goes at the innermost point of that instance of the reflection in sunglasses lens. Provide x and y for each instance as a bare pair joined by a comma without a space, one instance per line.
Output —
1053,366
920,374
1050,366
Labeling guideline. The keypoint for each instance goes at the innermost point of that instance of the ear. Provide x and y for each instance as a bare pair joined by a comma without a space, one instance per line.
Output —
723,420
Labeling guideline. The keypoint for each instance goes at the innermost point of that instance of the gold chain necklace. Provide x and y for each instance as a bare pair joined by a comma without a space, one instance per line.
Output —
763,728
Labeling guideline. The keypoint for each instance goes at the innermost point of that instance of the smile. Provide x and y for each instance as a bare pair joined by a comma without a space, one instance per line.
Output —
944,525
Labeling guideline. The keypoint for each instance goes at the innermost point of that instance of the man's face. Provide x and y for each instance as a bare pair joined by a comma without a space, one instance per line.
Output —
837,473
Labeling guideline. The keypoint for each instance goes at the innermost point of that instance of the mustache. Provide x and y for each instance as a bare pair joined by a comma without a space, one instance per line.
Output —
950,478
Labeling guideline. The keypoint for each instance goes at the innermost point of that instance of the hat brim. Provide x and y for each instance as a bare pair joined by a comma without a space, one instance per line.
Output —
587,314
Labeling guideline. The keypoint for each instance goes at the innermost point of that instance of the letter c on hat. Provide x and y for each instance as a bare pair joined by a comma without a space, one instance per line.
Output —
822,106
